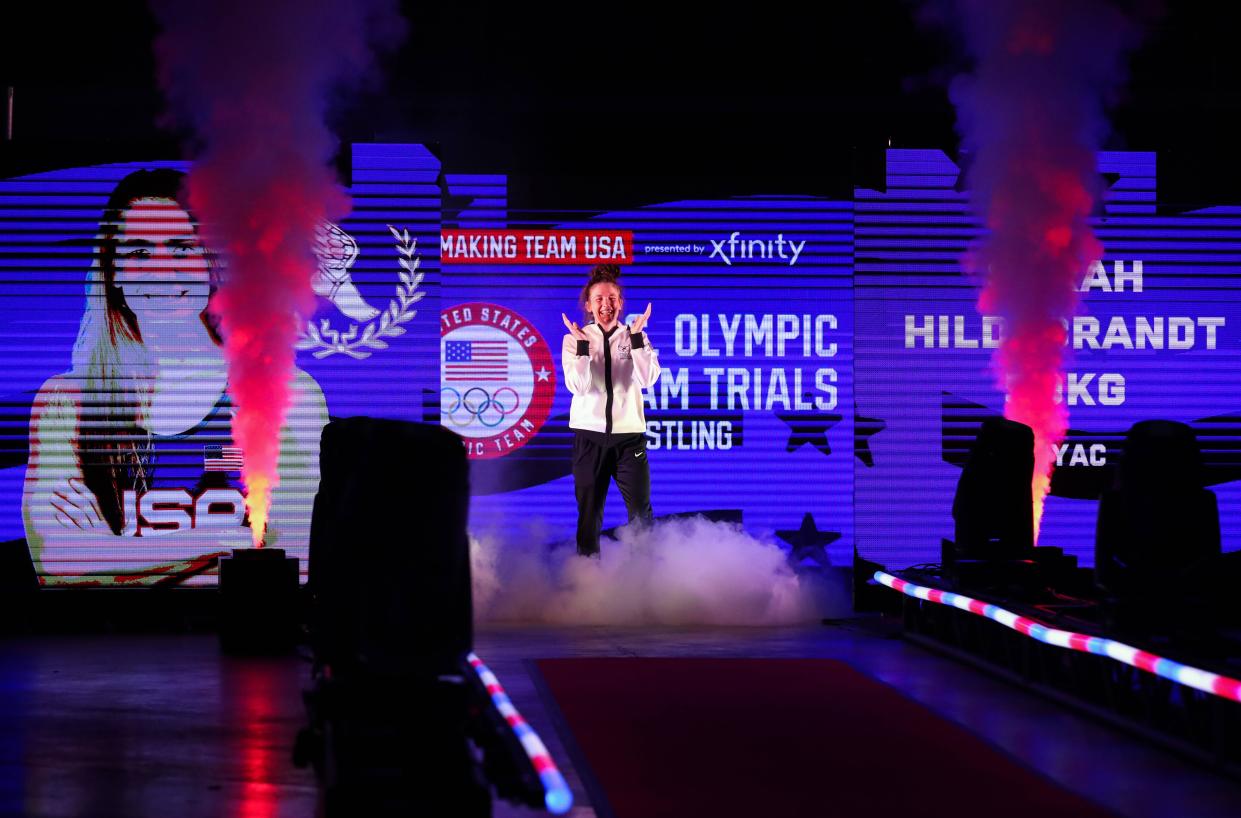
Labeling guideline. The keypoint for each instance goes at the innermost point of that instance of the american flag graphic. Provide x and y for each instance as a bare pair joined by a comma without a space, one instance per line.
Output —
222,458
476,360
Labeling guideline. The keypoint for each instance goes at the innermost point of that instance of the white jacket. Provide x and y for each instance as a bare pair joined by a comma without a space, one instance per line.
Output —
608,387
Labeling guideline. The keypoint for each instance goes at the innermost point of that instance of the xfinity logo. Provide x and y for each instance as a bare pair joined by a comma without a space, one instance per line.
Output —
735,247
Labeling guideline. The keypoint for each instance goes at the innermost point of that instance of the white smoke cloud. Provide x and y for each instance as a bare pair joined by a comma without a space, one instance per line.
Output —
685,571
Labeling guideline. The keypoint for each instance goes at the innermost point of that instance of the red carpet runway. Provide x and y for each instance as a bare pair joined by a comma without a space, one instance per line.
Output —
788,737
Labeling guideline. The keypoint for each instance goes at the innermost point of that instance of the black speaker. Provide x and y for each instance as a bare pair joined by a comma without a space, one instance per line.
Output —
389,573
1157,521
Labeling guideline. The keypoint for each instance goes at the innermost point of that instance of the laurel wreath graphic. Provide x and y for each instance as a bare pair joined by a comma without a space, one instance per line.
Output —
325,340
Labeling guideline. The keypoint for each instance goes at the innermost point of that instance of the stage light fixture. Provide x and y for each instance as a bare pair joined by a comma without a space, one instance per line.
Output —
1157,525
391,622
993,512
389,555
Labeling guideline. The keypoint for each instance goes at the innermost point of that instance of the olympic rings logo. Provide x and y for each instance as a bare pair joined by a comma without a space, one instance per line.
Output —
489,410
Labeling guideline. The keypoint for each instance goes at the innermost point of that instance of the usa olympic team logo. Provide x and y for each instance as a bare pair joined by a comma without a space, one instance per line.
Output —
497,378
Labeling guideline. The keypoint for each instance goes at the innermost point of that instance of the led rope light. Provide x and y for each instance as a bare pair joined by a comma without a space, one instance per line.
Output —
556,796
1198,679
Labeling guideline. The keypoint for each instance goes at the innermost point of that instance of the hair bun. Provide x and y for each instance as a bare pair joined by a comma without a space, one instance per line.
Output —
605,272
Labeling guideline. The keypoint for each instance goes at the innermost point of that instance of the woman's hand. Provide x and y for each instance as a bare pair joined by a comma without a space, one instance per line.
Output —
75,505
575,330
640,321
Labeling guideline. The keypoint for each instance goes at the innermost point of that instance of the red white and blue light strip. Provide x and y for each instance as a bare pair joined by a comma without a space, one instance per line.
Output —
1203,680
556,794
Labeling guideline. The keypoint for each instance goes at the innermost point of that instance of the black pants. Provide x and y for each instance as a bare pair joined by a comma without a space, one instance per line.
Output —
595,463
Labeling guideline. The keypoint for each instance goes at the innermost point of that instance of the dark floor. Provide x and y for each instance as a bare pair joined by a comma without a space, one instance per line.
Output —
163,725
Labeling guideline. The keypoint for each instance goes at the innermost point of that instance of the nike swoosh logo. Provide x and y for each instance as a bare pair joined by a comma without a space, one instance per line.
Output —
638,454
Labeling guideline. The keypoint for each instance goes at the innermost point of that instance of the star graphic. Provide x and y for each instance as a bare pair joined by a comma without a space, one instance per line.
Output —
809,543
543,373
863,429
808,428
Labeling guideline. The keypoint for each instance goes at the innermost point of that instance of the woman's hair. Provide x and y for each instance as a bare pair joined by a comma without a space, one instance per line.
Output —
111,365
107,322
600,274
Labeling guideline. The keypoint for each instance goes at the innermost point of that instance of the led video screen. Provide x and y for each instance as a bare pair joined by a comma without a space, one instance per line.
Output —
118,462
1155,338
822,363
750,420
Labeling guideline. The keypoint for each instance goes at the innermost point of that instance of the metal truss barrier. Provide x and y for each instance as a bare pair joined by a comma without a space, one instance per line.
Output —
1191,710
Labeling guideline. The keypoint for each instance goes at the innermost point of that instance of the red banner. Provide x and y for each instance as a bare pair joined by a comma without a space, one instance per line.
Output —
536,246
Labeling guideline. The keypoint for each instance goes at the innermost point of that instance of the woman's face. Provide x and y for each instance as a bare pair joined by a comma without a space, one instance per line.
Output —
161,266
604,303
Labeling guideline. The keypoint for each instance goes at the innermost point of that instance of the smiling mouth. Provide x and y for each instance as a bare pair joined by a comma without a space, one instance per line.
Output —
156,296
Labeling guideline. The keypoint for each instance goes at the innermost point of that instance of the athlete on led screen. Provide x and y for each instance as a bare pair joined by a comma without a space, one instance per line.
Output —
133,477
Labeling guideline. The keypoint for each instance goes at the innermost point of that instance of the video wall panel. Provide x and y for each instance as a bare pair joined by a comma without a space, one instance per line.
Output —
118,465
1156,337
751,418
823,364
